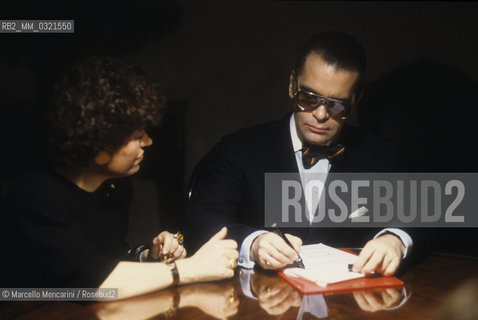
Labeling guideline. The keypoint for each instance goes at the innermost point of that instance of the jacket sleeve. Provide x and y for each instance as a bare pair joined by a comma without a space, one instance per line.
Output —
216,194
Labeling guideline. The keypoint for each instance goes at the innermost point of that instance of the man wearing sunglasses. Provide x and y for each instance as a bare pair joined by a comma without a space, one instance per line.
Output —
228,186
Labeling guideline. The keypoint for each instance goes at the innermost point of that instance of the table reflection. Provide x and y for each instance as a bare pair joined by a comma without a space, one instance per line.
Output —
217,300
381,299
260,296
276,297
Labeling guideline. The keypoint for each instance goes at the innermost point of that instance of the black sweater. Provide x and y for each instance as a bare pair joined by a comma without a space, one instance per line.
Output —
58,235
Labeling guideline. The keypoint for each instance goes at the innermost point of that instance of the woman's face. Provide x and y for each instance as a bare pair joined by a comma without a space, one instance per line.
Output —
125,161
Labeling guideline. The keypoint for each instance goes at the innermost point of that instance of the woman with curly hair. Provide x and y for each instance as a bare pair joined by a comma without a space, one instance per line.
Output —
66,226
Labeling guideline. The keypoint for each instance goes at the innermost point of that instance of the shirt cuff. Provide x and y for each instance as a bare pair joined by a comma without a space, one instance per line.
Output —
406,239
245,251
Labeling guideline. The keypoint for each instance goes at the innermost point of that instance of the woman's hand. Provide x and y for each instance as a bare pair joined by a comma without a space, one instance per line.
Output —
218,300
166,244
215,260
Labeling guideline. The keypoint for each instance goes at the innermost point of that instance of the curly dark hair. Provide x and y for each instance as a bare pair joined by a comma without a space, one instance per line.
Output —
98,105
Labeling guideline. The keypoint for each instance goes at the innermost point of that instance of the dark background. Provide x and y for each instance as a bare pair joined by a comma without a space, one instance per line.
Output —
224,65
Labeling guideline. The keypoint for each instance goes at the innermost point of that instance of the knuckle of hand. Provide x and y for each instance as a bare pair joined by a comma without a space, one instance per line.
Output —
260,253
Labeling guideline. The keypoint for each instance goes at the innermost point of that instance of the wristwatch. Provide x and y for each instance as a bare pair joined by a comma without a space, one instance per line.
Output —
174,272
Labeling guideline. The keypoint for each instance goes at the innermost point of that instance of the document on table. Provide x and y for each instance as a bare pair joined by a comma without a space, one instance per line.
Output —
324,265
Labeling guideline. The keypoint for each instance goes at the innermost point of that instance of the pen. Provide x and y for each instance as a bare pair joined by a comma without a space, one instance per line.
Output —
298,263
373,274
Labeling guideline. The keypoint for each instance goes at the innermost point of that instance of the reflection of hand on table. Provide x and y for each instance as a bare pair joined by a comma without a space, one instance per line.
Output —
217,300
375,300
142,307
274,294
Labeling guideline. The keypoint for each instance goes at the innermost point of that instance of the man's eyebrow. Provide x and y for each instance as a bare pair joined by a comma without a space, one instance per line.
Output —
306,88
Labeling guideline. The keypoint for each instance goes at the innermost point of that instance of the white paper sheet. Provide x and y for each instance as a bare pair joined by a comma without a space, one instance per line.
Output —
325,265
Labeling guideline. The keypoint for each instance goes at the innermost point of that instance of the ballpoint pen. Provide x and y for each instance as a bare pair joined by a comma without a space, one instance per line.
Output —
373,274
297,263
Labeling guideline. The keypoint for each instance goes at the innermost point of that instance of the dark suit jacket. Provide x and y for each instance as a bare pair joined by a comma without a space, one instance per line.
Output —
228,184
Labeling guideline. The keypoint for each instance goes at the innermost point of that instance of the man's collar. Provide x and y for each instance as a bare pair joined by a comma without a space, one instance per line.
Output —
296,143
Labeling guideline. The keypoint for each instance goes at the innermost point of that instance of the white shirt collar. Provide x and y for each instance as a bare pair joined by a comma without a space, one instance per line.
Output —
296,143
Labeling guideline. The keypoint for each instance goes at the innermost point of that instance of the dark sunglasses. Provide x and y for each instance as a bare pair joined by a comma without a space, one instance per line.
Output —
308,101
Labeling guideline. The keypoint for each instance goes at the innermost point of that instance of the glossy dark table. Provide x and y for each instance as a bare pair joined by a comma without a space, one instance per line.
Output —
427,287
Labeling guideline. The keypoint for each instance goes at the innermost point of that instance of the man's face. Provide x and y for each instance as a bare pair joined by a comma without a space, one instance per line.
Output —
317,127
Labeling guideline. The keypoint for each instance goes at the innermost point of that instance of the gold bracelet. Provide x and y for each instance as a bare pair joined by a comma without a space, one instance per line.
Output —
174,272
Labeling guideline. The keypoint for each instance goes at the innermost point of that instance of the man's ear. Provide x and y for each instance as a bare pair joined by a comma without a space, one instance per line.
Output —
292,84
356,100
102,158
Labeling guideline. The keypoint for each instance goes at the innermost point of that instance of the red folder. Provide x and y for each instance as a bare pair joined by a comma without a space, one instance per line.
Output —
307,287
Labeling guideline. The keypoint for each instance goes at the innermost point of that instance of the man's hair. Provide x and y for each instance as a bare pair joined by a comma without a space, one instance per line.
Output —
98,105
337,49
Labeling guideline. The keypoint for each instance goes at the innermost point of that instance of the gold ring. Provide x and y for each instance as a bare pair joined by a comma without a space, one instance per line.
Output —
232,263
268,263
179,236
232,298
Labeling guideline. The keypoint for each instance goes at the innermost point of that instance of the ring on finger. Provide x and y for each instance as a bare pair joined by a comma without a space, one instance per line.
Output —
232,263
268,263
232,298
179,237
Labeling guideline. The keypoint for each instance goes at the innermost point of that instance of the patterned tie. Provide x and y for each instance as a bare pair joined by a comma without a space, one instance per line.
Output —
312,154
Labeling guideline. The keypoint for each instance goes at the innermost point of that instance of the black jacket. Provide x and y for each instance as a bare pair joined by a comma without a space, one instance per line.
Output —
227,187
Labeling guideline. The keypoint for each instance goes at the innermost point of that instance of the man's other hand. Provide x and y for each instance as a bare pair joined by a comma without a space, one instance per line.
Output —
382,255
272,252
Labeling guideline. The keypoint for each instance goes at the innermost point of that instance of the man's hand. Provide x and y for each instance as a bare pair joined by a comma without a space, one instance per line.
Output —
382,255
272,252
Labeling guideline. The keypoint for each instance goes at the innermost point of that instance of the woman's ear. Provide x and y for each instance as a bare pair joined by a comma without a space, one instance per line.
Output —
102,158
